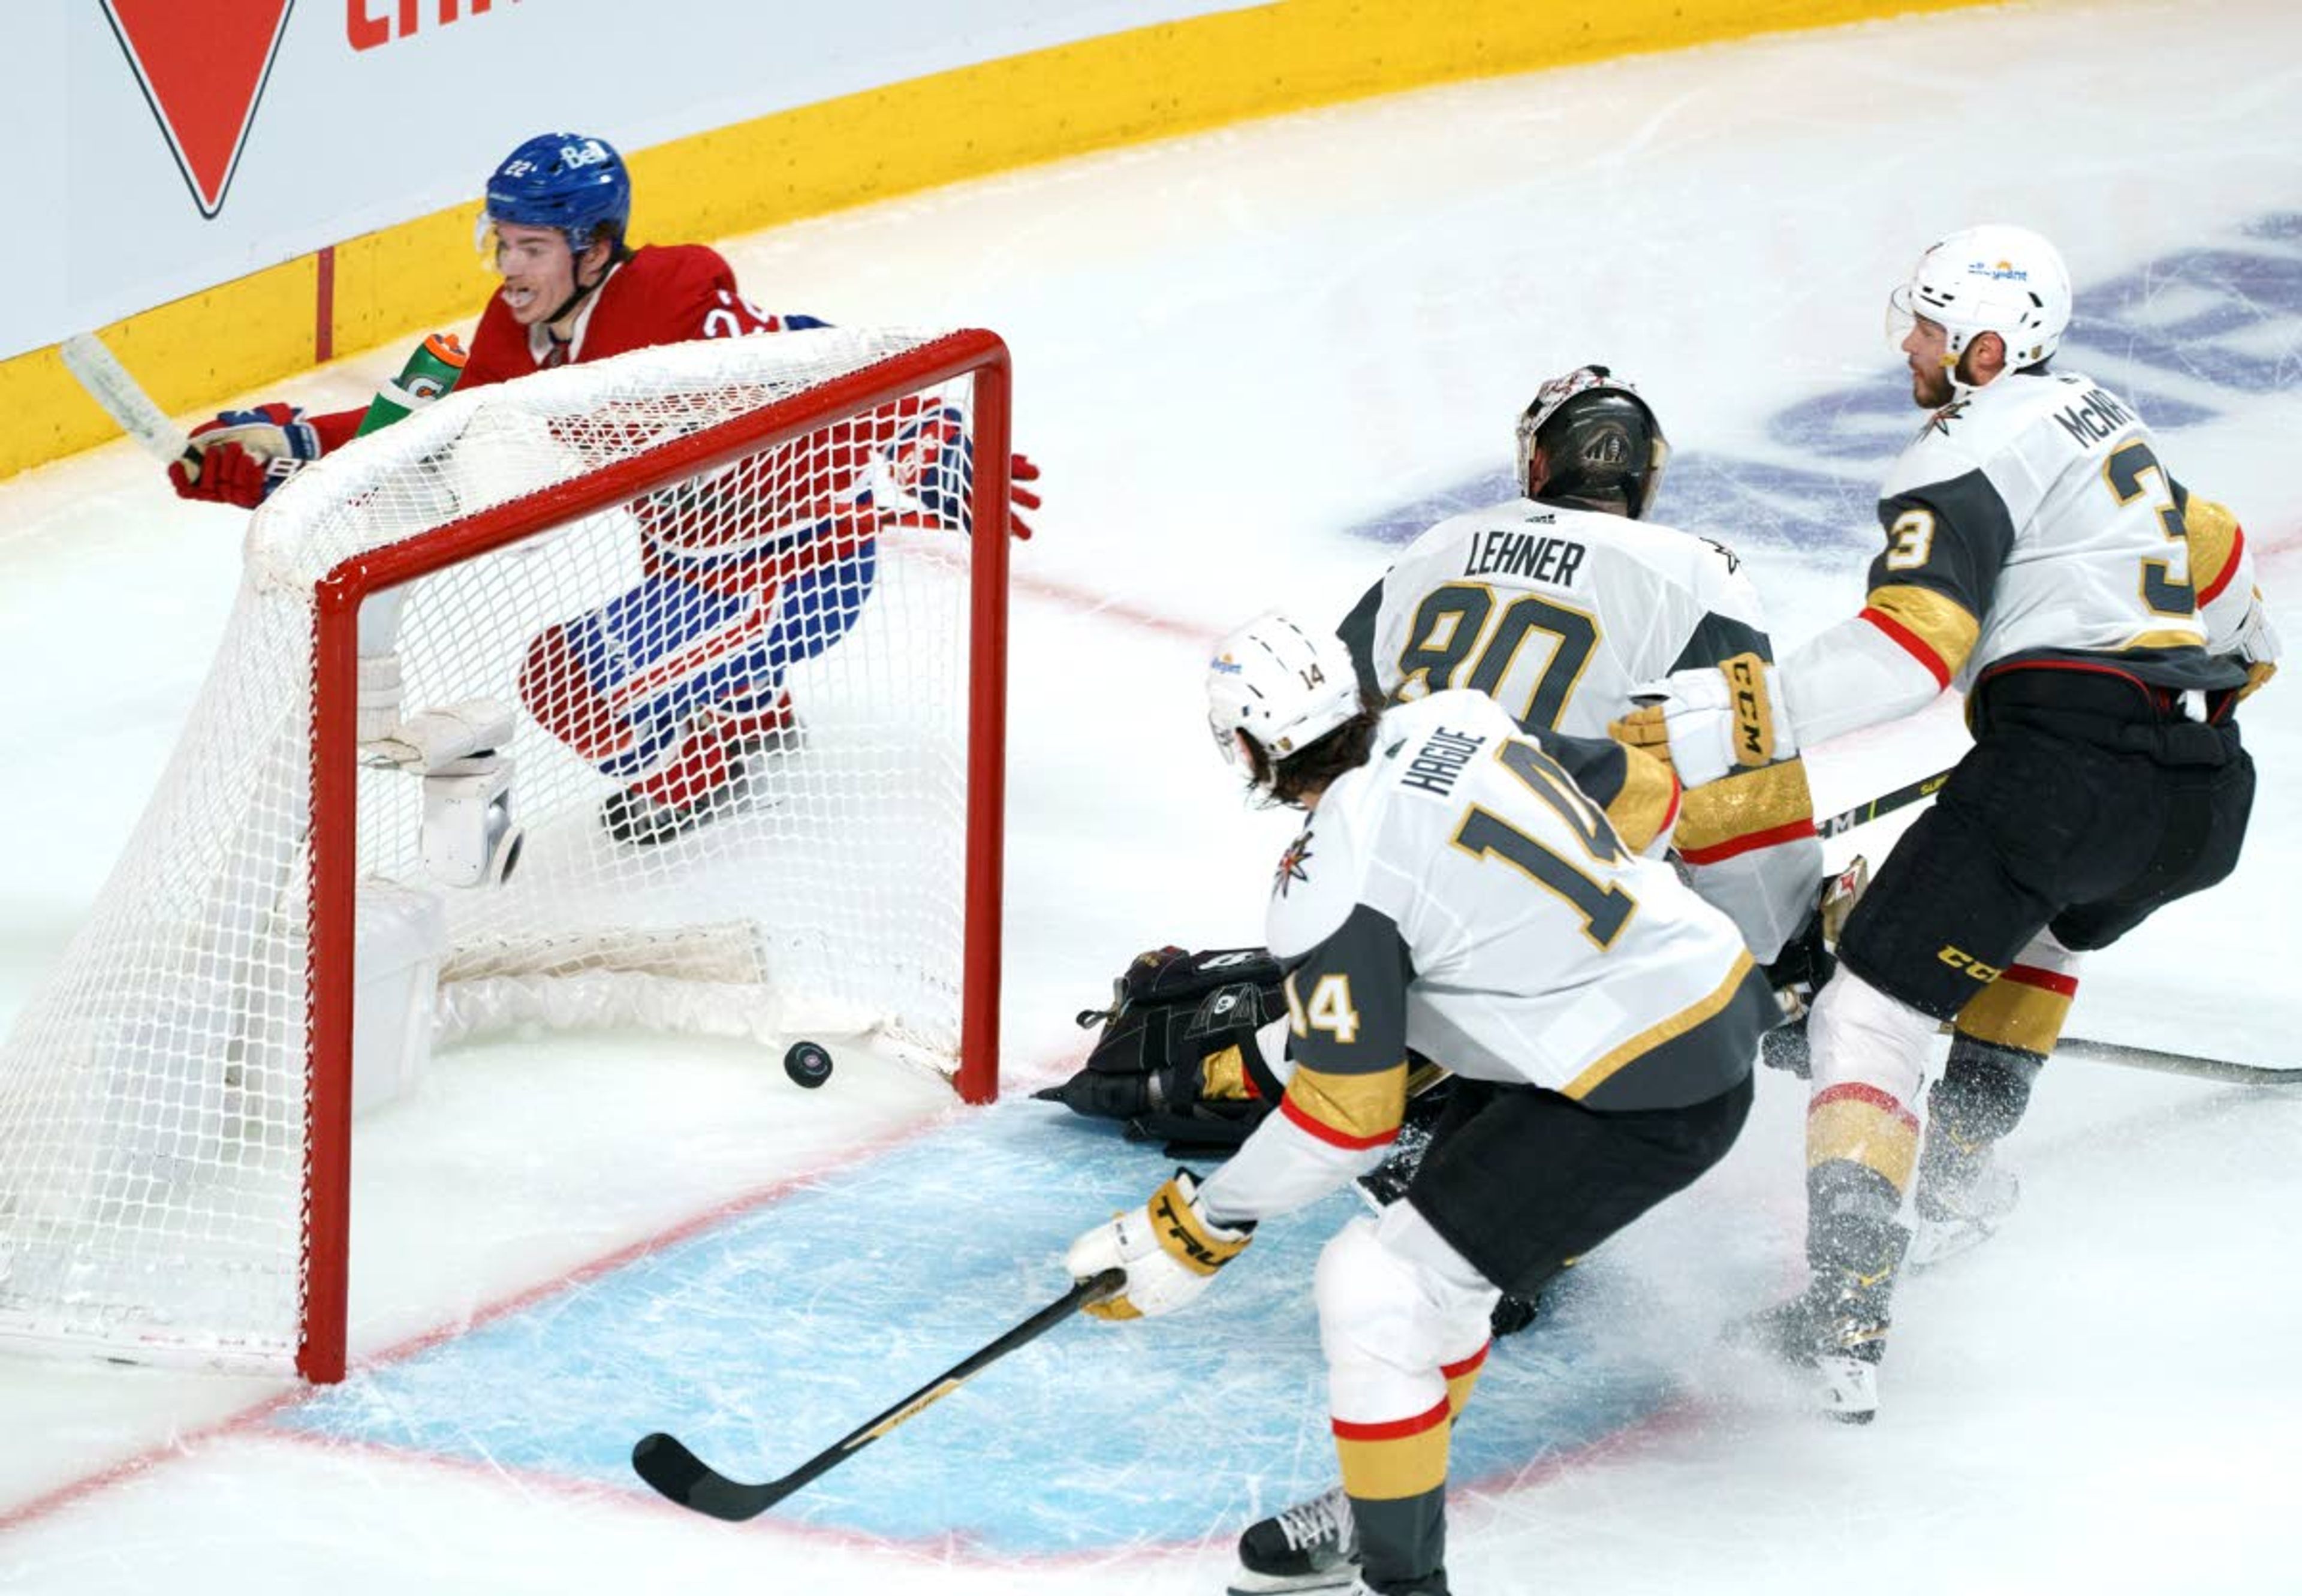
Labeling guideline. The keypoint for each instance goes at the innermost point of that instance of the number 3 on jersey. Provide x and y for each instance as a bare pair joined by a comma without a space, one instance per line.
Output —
2166,583
1330,1010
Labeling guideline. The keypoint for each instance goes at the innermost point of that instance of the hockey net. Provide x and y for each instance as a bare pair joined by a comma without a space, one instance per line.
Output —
761,580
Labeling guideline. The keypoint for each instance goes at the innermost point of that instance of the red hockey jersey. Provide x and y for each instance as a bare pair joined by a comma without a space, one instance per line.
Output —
665,293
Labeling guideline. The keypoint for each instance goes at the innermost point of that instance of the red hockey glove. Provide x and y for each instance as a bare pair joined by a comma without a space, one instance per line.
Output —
245,454
1019,469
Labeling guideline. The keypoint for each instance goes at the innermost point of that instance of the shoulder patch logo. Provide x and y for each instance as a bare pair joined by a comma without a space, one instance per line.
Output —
1291,863
1939,421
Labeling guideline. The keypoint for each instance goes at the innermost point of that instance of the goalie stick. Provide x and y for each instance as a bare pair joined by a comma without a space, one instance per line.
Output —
112,386
678,1473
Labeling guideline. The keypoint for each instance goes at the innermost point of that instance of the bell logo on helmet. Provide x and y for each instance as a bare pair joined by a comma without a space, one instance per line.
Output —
571,181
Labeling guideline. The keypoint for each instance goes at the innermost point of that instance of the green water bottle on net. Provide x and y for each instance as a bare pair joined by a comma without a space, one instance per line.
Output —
430,371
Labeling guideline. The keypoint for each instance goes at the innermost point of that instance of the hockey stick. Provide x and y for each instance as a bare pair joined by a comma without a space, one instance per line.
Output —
110,384
2178,1063
1901,797
678,1473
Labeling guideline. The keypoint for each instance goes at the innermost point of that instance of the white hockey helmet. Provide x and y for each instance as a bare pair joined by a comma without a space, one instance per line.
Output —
1989,279
1283,686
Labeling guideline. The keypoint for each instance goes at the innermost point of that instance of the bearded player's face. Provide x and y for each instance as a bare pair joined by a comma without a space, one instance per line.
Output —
1928,346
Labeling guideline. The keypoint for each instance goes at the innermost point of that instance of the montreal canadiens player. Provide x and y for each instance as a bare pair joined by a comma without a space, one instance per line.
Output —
674,686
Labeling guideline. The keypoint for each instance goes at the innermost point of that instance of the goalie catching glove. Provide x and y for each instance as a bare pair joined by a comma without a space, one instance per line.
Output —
243,455
1707,722
1168,1249
1178,1059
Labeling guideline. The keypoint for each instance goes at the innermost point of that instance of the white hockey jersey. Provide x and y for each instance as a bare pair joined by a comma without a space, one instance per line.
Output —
1462,896
1556,613
2031,521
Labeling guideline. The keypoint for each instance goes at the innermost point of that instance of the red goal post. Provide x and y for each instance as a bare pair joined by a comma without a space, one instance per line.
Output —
559,508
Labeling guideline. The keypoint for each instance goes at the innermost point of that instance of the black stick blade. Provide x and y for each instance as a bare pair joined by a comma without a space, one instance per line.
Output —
664,1462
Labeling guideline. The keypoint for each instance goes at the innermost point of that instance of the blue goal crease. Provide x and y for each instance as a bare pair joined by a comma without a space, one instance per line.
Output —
765,1339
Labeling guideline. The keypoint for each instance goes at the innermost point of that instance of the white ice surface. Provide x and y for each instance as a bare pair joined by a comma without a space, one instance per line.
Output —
1227,348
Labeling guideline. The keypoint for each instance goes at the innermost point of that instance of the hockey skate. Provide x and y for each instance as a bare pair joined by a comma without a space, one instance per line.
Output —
1963,1197
1311,1546
1836,1327
635,816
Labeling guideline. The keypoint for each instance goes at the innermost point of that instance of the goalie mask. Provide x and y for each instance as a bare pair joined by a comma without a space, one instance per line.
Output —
1284,687
1992,279
1590,437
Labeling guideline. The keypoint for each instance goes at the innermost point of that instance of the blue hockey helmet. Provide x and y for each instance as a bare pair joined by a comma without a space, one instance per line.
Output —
572,181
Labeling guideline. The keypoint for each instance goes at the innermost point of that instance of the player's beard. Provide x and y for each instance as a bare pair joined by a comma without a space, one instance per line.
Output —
1930,388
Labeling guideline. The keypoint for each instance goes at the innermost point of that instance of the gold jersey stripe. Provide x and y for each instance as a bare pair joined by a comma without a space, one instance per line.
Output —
1643,808
1224,1078
1743,804
1655,1036
1936,619
1350,1110
2211,533
2162,638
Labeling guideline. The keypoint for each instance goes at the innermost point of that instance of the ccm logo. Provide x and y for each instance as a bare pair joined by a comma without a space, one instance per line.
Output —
1754,739
1960,959
365,30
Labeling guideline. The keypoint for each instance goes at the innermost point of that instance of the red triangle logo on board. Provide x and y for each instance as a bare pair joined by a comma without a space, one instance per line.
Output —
202,68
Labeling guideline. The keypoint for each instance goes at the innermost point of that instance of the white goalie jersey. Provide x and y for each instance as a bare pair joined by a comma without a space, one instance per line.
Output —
1556,613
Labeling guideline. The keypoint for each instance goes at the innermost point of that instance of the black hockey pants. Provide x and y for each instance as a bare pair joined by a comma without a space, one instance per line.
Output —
2090,799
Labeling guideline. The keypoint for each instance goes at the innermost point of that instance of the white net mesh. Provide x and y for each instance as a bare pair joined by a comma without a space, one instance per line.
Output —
736,773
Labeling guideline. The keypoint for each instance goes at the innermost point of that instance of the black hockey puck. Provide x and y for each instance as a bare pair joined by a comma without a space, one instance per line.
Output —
808,1064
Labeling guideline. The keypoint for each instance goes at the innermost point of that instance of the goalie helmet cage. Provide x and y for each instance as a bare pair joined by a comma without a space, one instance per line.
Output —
774,523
